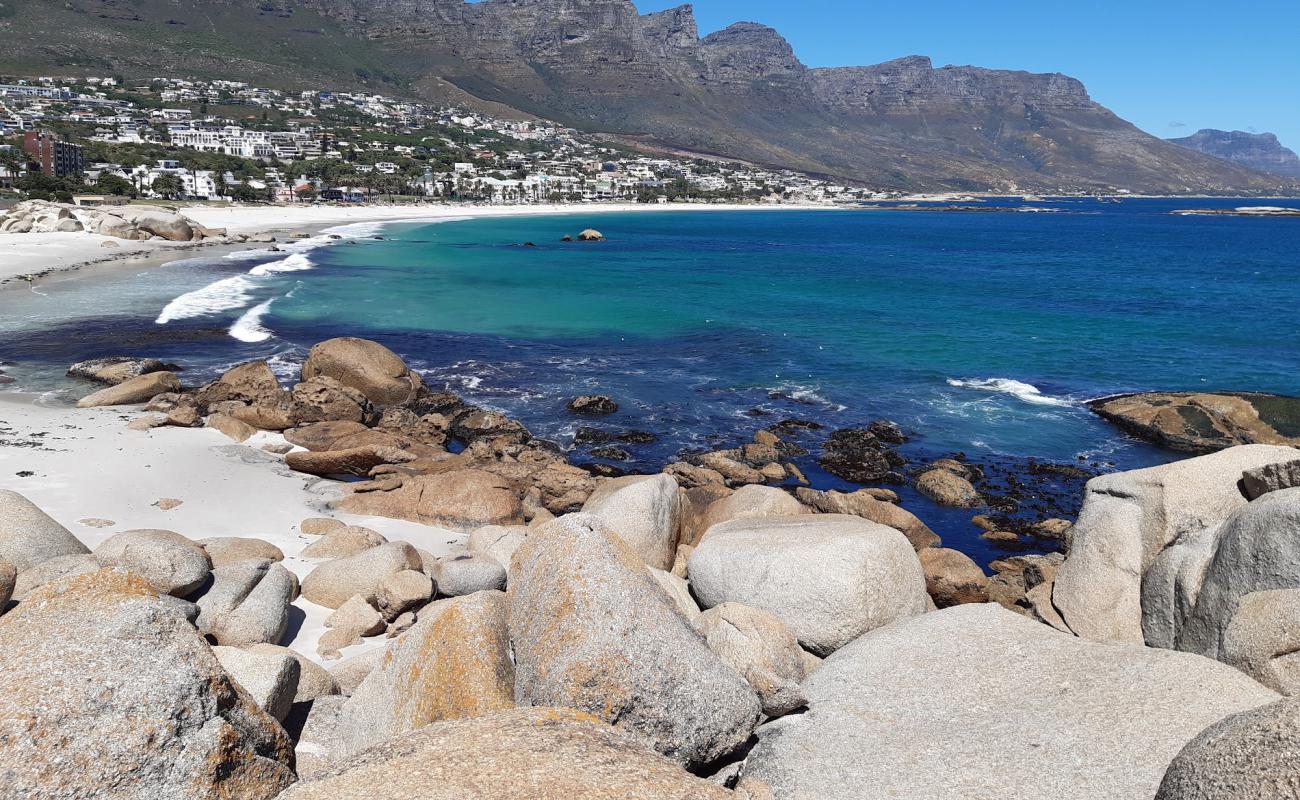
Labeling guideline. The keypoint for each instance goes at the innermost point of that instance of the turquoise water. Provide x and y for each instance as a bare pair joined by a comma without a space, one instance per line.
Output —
979,333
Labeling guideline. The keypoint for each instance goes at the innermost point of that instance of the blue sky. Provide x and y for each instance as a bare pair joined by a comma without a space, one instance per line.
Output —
1169,66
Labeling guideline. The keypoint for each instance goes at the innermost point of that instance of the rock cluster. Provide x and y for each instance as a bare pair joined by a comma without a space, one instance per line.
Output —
140,223
608,637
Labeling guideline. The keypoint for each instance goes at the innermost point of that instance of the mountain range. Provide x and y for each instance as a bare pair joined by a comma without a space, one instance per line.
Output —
1259,151
647,79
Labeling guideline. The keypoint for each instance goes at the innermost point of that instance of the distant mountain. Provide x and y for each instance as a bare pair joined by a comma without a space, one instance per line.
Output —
1259,151
599,66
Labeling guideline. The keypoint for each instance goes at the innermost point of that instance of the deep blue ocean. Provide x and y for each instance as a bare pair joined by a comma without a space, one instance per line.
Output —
978,333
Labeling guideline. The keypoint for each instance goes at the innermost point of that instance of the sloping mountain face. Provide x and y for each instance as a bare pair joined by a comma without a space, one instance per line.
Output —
599,65
1259,151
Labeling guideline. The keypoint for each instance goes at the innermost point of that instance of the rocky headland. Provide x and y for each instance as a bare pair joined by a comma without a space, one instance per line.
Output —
533,627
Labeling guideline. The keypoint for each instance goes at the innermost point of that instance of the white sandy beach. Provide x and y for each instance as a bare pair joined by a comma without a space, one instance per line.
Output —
86,465
36,253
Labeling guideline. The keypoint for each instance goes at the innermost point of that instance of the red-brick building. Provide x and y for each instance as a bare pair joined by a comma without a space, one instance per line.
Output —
55,159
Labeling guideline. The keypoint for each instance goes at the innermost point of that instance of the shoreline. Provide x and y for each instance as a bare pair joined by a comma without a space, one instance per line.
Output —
60,256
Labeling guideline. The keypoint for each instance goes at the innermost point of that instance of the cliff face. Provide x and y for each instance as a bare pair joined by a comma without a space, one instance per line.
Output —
1259,151
601,66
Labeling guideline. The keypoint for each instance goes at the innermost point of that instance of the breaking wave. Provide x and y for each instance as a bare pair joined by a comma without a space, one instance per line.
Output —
1020,390
226,294
249,327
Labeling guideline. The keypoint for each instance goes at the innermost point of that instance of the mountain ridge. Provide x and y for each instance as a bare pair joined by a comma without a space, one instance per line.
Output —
1259,151
601,66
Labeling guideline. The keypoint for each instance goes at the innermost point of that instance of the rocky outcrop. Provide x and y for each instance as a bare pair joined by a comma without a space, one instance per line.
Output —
829,577
1201,422
858,455
975,699
592,631
126,701
1129,519
115,369
122,222
523,754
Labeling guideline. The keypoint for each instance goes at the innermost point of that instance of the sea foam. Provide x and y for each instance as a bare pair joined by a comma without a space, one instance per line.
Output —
1018,389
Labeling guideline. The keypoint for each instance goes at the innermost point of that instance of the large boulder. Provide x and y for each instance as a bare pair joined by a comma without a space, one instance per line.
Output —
497,542
462,499
522,754
141,389
251,382
1200,422
1129,519
1258,550
976,701
170,562
107,692
454,663
762,649
645,511
369,367
1251,755
247,603
591,630
332,583
830,577
29,536
159,222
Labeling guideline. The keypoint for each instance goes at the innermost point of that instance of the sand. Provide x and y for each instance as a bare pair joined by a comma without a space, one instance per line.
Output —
88,466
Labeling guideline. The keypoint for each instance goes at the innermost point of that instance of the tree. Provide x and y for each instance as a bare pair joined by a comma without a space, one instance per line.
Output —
167,185
108,183
306,192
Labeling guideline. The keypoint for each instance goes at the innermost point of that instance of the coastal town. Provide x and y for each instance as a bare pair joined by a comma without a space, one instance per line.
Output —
106,139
